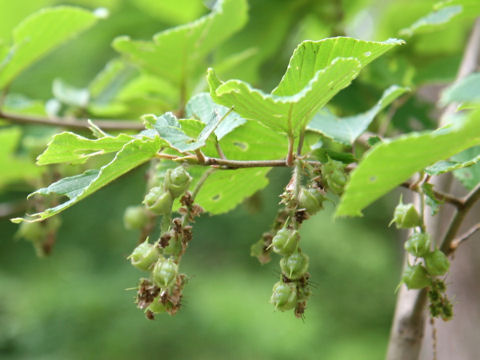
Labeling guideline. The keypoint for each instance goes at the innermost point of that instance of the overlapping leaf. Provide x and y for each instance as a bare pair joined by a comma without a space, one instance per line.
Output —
202,107
347,129
175,54
78,187
390,163
317,71
39,34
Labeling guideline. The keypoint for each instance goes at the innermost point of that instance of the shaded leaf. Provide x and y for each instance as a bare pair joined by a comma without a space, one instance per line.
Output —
40,33
431,200
347,129
203,108
392,162
469,175
465,90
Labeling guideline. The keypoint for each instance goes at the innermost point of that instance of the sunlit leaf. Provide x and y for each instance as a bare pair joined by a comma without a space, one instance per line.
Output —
78,187
392,162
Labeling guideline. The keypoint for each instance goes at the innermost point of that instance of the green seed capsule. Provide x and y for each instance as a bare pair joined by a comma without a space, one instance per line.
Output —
416,277
135,217
156,307
295,265
311,199
284,296
164,272
174,246
334,174
144,256
32,231
418,244
158,201
285,241
177,181
437,263
406,216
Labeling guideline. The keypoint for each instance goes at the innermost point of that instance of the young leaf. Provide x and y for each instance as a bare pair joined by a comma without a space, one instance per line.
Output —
317,71
347,129
176,53
391,162
202,107
14,167
462,160
40,33
78,187
68,147
431,200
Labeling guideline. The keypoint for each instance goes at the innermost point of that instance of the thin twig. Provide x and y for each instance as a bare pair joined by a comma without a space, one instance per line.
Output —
72,123
468,202
450,199
464,237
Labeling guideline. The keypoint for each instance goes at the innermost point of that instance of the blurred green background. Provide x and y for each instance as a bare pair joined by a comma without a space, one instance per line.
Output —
73,304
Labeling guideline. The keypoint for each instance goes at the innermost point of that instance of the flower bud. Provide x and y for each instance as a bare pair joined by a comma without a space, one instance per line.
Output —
158,201
406,216
418,244
416,277
135,217
311,199
284,296
144,256
164,272
437,263
295,265
285,241
177,181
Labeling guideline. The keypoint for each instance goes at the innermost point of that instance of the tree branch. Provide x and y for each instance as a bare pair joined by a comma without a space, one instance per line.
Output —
450,199
457,221
464,237
72,123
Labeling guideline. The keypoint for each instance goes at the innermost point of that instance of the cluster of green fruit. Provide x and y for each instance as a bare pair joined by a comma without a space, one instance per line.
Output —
162,292
428,264
293,291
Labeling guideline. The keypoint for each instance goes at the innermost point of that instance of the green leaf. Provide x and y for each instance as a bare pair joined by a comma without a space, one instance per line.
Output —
469,175
203,108
170,129
466,158
172,12
68,147
70,95
39,34
225,189
176,53
14,167
465,90
444,12
317,71
392,162
431,200
78,187
347,129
